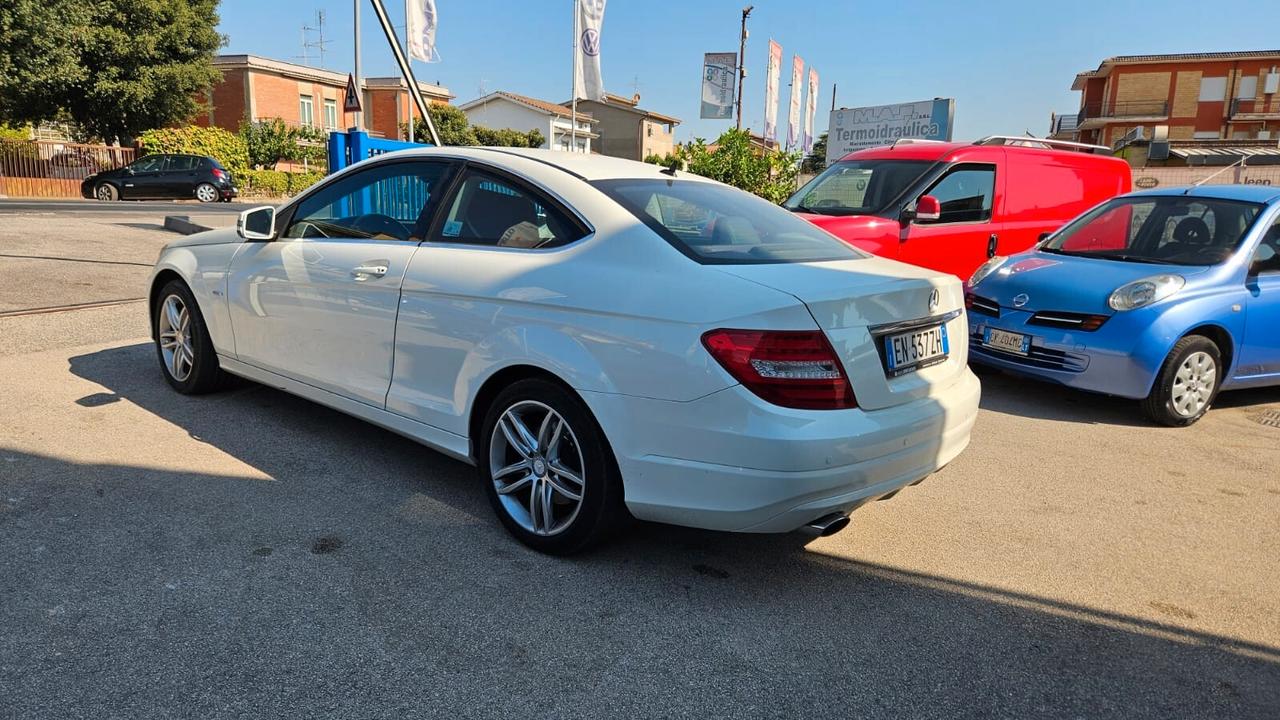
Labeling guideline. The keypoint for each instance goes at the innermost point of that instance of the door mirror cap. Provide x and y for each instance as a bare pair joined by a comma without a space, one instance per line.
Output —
928,209
257,223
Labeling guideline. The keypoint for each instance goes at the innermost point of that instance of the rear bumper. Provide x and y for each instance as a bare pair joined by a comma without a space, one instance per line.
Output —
730,461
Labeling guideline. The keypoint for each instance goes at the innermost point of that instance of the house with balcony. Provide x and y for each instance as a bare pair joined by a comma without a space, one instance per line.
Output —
627,130
1225,96
503,109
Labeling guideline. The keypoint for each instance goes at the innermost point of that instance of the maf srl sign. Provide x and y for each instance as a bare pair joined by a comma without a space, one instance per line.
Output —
853,129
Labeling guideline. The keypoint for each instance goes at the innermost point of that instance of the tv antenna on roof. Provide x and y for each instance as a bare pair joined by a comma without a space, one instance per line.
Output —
319,43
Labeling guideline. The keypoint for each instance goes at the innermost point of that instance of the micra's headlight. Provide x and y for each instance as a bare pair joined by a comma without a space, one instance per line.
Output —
986,269
1141,293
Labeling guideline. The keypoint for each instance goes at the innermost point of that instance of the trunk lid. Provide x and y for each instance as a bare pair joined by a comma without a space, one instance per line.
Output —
853,300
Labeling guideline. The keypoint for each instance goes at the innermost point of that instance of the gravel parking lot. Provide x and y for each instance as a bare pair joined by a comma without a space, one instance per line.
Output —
250,554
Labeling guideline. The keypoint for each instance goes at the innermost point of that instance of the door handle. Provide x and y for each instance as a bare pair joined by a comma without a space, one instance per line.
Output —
993,244
369,270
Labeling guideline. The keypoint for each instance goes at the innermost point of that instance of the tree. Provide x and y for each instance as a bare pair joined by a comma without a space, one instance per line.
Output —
816,161
115,67
454,129
736,161
270,141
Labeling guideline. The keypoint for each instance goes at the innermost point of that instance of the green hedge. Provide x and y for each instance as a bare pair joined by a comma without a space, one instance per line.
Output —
276,182
225,147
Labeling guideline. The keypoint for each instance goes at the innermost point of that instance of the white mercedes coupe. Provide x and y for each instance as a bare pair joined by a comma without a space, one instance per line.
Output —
604,338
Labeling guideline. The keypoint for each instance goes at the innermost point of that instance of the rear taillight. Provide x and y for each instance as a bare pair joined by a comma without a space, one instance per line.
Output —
795,369
219,173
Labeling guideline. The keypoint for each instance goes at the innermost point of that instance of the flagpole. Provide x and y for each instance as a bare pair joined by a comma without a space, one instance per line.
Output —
406,44
359,94
573,130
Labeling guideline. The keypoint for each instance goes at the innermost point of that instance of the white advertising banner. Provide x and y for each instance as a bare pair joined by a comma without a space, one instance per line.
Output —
797,90
719,71
810,109
421,16
587,83
866,127
771,77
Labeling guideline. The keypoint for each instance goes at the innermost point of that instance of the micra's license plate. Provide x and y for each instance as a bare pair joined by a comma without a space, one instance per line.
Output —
1010,342
910,351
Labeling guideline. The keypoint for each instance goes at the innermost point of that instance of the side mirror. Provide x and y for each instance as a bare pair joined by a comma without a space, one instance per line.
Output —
1043,236
257,223
928,209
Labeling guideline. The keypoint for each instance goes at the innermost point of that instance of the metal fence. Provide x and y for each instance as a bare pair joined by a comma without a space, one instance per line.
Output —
51,169
1153,177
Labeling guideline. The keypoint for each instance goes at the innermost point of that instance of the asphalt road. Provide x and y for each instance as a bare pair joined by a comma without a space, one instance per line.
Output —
248,554
129,207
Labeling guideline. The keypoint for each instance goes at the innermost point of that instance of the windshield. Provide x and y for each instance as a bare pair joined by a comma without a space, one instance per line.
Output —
857,187
717,224
1163,230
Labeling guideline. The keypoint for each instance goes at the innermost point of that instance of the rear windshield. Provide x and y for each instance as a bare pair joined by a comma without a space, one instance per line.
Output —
717,224
857,187
1160,230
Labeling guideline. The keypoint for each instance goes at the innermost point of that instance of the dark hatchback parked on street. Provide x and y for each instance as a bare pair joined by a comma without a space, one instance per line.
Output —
163,177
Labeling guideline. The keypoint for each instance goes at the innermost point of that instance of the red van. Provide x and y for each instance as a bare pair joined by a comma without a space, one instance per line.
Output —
950,206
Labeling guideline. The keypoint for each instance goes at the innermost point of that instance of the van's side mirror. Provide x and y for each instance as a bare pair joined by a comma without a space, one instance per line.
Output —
928,209
257,223
1043,236
1266,260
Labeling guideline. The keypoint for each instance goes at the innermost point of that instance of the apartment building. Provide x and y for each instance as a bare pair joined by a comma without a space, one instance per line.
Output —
628,131
257,88
1231,96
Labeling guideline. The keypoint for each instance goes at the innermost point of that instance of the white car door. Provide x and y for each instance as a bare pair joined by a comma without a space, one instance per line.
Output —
318,304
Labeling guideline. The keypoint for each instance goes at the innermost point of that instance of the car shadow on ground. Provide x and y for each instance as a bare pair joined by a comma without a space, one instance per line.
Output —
1011,394
368,574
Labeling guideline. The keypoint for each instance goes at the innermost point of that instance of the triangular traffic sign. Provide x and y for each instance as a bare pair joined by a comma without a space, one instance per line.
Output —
351,101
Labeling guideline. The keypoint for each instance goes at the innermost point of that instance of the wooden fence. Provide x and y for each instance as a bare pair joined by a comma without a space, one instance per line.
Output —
52,169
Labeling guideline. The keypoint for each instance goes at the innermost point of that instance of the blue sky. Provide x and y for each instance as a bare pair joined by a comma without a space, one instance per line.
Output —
1007,64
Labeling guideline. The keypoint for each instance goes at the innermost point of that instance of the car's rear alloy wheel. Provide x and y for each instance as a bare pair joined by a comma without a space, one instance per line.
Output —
537,468
1187,384
551,475
206,193
183,345
105,192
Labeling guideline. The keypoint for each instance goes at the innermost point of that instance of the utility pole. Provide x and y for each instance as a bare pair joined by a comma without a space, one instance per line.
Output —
742,61
406,44
833,96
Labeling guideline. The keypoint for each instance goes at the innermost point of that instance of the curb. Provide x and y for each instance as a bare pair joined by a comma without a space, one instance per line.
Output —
182,225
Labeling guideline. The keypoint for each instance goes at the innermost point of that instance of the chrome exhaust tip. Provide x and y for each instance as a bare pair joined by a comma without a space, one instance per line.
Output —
827,525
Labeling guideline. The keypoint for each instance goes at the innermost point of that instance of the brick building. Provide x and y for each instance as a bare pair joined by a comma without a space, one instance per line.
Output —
1196,96
258,88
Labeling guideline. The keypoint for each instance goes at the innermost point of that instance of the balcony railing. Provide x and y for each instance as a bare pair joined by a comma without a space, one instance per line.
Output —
1137,108
1064,124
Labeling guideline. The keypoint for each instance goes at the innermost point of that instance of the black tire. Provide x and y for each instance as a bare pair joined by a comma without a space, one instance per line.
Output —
204,373
207,193
106,192
1167,404
601,510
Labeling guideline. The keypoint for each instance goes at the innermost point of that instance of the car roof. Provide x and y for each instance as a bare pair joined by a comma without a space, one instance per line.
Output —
1246,193
581,165
959,151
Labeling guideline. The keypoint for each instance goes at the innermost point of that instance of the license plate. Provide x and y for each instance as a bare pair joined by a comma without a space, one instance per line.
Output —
1011,342
910,351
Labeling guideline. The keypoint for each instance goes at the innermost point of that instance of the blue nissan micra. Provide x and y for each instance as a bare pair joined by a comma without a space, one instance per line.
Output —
1165,296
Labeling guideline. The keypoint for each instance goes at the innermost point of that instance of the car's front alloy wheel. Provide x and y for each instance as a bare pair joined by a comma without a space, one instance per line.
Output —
105,192
550,473
183,346
1187,384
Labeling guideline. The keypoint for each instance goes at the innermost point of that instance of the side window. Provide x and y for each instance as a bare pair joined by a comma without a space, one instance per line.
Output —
488,210
181,163
389,201
965,193
1266,259
151,163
